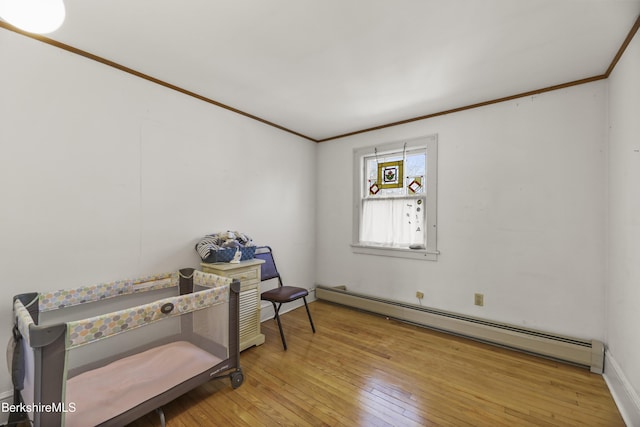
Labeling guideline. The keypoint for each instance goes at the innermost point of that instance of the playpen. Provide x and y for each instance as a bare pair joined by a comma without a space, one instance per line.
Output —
110,353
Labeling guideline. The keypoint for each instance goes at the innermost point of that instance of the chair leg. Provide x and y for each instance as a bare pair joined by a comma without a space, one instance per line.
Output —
313,328
160,413
277,317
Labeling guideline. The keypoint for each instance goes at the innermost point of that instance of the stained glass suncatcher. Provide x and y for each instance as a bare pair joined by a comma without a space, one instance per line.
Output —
416,185
373,190
390,174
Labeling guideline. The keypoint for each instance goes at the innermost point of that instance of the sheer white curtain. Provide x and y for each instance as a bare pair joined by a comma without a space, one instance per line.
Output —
396,222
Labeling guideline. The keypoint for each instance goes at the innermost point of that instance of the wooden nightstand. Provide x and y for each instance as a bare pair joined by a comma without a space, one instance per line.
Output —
248,273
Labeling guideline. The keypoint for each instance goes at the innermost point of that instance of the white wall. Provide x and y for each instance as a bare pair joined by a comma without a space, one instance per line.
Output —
623,276
106,176
521,214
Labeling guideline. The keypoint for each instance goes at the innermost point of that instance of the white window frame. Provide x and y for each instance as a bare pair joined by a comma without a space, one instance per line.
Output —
430,253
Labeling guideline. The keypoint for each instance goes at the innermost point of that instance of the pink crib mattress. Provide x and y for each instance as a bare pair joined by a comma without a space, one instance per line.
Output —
103,393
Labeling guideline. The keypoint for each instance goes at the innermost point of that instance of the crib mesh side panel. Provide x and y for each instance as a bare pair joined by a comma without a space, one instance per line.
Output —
102,291
100,352
211,328
88,301
200,318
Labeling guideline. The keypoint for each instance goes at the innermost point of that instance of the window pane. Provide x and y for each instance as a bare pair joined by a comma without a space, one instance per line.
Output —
414,170
415,165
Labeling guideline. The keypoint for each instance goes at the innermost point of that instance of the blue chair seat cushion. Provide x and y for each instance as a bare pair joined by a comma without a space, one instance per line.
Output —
284,294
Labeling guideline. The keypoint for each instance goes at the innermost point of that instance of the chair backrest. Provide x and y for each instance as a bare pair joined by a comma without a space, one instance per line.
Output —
268,270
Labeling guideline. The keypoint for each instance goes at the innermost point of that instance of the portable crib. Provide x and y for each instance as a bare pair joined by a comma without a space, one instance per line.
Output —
110,353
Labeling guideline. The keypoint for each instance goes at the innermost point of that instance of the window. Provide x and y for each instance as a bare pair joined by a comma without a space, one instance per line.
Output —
395,199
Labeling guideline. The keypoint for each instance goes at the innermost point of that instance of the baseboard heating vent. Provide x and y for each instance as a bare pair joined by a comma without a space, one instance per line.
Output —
570,350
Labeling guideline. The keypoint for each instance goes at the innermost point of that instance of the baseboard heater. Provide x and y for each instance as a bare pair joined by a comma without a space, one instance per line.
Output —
584,353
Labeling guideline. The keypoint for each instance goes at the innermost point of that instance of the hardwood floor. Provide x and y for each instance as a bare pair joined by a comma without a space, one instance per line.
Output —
365,370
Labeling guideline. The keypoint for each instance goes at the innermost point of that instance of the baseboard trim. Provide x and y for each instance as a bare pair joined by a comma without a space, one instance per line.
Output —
586,353
626,398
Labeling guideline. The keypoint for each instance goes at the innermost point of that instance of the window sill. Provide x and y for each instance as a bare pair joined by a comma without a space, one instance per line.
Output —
420,254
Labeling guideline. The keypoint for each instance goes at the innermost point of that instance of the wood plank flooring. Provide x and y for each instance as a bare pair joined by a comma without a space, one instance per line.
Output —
365,370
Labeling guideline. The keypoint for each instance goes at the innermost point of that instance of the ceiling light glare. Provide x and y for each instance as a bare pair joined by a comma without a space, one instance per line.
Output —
33,16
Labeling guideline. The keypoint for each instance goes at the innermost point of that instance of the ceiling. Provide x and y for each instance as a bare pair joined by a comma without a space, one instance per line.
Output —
325,68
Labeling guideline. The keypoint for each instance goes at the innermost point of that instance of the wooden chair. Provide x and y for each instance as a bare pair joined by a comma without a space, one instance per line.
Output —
282,294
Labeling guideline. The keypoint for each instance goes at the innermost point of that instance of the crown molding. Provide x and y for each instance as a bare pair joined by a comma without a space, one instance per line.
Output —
152,79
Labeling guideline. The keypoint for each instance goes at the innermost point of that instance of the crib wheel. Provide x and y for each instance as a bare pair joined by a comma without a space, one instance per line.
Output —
237,378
